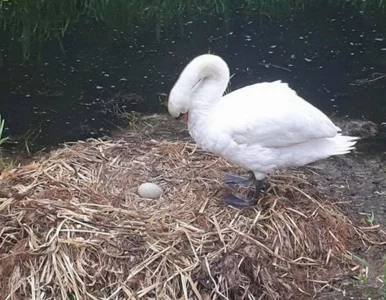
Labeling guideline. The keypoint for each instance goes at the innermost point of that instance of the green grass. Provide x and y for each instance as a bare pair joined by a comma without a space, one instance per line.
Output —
370,219
384,277
302,4
363,277
2,139
3,162
28,23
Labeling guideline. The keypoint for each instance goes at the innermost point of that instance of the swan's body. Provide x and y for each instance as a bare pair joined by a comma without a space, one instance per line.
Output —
261,127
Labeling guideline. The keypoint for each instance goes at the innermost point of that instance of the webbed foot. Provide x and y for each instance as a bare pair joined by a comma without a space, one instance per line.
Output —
237,202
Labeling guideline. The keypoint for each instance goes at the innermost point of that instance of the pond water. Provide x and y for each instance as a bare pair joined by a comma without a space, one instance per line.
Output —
335,59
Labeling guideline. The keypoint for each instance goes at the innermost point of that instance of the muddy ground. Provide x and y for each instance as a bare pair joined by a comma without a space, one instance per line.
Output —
357,180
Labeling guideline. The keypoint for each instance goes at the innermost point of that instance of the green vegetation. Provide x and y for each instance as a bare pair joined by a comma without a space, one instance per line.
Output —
384,277
370,219
27,23
30,22
363,277
2,140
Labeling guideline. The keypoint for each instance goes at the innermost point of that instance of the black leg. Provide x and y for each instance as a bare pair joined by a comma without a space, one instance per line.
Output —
259,186
236,179
237,202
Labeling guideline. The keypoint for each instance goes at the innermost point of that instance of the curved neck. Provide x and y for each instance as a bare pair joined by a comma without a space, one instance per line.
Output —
203,81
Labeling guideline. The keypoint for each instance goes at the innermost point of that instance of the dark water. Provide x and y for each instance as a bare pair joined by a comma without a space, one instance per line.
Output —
335,60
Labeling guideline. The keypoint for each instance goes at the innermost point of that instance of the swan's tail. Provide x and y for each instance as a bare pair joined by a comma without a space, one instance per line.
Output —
342,144
314,150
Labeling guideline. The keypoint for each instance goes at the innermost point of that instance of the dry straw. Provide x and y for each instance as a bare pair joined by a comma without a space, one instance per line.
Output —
73,227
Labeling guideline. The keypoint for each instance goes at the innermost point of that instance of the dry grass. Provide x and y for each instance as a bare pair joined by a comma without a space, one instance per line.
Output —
73,227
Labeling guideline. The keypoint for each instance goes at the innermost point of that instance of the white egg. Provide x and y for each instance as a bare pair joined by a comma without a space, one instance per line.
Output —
149,190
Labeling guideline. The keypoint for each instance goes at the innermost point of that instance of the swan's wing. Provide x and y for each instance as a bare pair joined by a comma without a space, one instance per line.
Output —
271,115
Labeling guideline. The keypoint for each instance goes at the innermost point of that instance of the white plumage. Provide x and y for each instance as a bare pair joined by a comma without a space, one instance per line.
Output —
261,127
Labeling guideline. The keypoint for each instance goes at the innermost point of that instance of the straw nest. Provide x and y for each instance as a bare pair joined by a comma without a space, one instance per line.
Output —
73,227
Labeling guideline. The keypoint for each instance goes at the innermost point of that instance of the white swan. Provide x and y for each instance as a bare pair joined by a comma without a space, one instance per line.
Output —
261,127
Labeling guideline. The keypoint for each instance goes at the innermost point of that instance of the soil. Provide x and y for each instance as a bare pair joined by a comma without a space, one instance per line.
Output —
359,180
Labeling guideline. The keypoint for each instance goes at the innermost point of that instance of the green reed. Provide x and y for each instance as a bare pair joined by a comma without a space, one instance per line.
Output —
28,23
2,139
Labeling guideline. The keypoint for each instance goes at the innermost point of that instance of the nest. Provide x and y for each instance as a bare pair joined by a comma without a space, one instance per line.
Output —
74,227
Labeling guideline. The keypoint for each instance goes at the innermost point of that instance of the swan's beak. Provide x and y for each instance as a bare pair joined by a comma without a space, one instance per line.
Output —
184,117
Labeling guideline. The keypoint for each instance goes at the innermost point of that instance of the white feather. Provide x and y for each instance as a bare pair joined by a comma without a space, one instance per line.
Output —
261,127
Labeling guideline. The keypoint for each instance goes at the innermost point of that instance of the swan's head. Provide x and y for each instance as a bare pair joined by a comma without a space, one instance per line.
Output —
178,103
205,71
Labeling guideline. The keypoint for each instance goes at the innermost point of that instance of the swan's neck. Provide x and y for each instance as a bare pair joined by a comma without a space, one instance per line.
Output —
203,82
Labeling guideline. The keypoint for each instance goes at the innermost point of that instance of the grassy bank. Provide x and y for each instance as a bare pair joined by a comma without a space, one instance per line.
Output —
26,24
